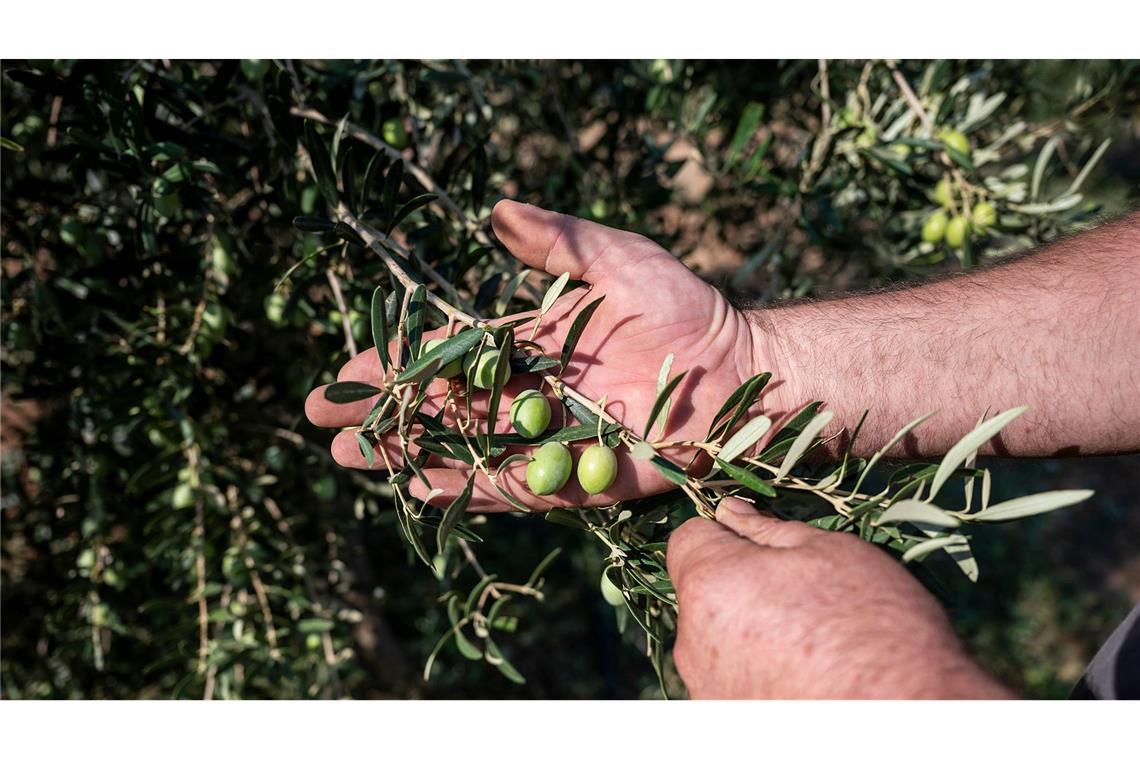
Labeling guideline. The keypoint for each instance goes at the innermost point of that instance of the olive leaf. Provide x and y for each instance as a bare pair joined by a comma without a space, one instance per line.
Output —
576,328
803,441
746,478
454,513
553,293
349,391
380,327
920,513
661,401
960,451
366,449
1025,506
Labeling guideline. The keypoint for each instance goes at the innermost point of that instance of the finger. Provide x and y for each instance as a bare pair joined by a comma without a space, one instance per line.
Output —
324,413
760,528
346,452
558,243
698,539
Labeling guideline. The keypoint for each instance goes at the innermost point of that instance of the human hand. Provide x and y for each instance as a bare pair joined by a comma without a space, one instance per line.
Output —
654,305
774,609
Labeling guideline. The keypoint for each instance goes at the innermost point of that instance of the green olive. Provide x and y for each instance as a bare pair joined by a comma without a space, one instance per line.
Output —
984,214
550,468
394,133
934,227
237,609
254,68
610,592
483,376
956,231
275,308
313,641
954,139
452,368
530,413
944,193
183,496
325,488
597,468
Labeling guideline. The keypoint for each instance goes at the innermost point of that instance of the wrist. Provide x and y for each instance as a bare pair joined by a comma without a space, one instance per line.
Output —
773,350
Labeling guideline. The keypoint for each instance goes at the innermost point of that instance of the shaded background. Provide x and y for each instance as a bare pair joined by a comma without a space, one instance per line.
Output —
160,481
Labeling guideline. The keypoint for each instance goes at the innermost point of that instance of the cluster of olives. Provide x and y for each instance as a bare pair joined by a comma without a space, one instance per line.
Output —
955,229
551,464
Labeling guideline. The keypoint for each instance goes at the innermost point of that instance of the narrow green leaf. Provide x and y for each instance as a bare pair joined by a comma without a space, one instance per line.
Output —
454,513
552,294
576,328
393,178
409,208
1025,506
524,363
747,478
504,299
745,129
669,471
495,657
923,548
959,452
322,166
920,513
540,568
417,308
451,349
744,438
366,449
803,441
499,379
350,391
380,327
1088,167
889,445
661,400
740,399
313,224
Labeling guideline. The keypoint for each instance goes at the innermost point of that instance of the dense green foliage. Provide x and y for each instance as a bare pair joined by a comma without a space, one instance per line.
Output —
173,527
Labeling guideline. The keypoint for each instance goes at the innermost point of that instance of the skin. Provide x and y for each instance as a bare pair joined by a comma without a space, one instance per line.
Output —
1058,330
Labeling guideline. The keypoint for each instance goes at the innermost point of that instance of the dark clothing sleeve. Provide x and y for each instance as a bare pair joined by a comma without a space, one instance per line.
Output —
1114,672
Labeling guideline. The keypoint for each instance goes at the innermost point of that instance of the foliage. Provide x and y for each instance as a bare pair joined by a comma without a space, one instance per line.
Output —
173,528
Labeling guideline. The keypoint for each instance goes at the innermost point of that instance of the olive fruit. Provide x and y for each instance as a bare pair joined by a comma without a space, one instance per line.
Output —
483,376
313,641
394,134
452,368
597,468
956,231
530,413
183,496
550,468
254,68
954,139
610,592
943,193
984,214
934,227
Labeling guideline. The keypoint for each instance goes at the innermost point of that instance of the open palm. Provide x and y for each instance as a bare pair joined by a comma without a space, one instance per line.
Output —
653,306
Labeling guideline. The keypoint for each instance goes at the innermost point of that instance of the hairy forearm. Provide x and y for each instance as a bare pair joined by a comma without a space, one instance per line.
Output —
1058,330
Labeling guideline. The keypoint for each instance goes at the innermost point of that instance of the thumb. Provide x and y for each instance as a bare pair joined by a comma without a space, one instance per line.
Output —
558,243
761,528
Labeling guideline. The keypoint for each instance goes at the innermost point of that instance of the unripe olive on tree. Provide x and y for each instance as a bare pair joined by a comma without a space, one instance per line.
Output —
183,496
530,413
550,468
944,193
394,133
254,68
313,641
934,228
452,368
984,215
597,468
610,592
483,376
954,139
957,231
